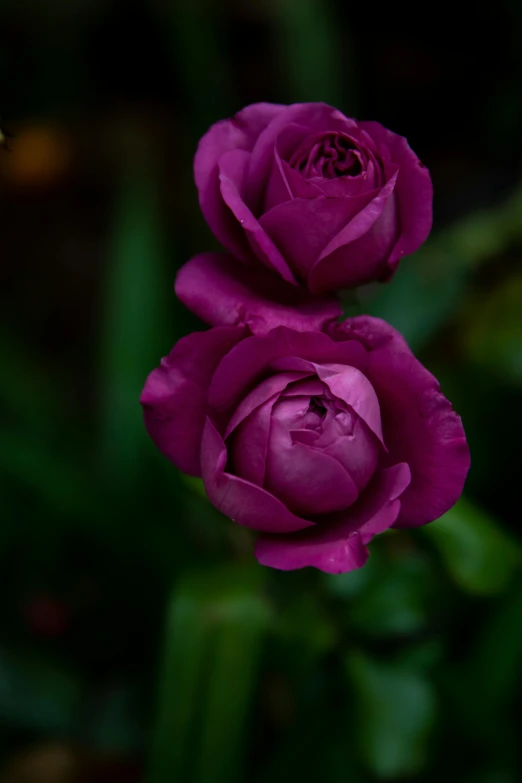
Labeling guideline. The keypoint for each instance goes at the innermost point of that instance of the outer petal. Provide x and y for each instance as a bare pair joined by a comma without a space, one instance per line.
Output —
175,394
414,192
245,503
340,546
220,291
241,369
240,132
420,426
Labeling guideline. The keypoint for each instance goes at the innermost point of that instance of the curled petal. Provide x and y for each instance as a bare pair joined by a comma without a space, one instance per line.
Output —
240,132
354,388
232,173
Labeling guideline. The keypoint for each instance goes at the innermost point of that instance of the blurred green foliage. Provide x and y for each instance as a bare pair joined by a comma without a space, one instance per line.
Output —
137,628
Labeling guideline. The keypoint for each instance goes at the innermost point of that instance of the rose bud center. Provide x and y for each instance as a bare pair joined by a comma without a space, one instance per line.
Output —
328,155
317,452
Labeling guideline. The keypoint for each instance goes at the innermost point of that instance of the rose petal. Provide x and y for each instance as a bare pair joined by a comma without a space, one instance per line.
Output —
309,387
275,384
314,116
240,132
362,397
414,191
421,428
220,291
232,179
308,481
242,368
358,453
372,332
349,384
304,227
277,189
359,250
249,443
245,503
300,187
175,394
340,547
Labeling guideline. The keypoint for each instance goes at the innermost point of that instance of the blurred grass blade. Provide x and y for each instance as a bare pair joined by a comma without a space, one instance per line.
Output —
479,554
396,708
23,376
214,632
135,334
312,53
201,59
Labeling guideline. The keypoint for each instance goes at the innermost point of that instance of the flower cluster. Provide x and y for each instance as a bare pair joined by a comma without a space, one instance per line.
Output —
315,432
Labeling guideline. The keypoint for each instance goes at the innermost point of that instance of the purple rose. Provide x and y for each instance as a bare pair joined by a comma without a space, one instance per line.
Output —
317,197
317,440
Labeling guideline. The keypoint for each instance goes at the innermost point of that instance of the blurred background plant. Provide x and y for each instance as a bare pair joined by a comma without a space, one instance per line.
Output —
139,639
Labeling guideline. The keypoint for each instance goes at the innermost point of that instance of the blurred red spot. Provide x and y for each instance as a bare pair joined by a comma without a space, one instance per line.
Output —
46,615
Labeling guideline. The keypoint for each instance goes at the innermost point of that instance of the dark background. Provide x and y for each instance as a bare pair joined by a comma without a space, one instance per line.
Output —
139,638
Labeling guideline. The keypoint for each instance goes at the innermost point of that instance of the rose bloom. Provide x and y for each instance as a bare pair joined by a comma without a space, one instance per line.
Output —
317,197
319,440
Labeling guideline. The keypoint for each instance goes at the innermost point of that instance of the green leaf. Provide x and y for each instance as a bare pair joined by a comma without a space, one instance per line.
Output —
395,710
492,336
353,583
478,553
397,602
215,628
